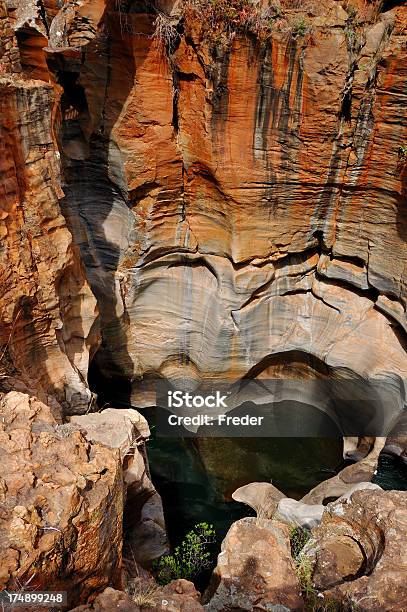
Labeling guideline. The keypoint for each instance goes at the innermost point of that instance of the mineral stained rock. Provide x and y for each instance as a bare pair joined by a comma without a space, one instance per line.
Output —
183,207
243,209
48,312
230,202
359,551
61,503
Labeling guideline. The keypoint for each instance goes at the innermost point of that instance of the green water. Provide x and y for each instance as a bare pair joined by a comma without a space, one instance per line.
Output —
196,477
391,474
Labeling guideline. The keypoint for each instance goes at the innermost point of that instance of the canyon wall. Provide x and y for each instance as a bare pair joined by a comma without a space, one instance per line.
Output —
186,194
48,312
220,206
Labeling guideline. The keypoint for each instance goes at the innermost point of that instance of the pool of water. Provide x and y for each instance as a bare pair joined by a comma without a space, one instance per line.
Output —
391,473
196,477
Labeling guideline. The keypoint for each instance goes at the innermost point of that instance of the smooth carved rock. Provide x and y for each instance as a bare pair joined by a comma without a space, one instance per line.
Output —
254,569
171,239
291,511
263,497
269,502
396,446
219,235
355,474
357,448
212,231
61,501
396,443
358,551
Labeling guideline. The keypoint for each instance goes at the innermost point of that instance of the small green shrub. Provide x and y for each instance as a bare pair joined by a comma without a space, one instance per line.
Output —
299,27
190,558
304,574
401,159
352,11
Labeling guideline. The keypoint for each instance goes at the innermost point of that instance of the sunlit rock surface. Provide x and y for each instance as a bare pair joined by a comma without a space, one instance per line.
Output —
358,551
61,503
247,576
48,325
236,208
190,209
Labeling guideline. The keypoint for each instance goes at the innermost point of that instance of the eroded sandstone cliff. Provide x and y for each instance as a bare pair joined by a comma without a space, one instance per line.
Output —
234,199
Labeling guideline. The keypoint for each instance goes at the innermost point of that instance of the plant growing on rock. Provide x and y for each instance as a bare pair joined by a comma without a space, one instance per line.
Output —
299,536
403,153
144,593
314,601
190,558
299,28
223,18
401,158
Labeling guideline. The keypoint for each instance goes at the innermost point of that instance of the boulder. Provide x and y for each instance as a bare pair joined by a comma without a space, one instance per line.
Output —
125,430
358,552
178,596
115,428
61,503
109,600
263,497
254,569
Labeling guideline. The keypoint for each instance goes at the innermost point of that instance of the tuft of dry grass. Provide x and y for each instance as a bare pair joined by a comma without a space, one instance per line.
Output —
144,593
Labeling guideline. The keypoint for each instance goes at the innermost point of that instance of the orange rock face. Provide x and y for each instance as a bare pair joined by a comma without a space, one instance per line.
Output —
42,278
186,193
234,199
231,202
